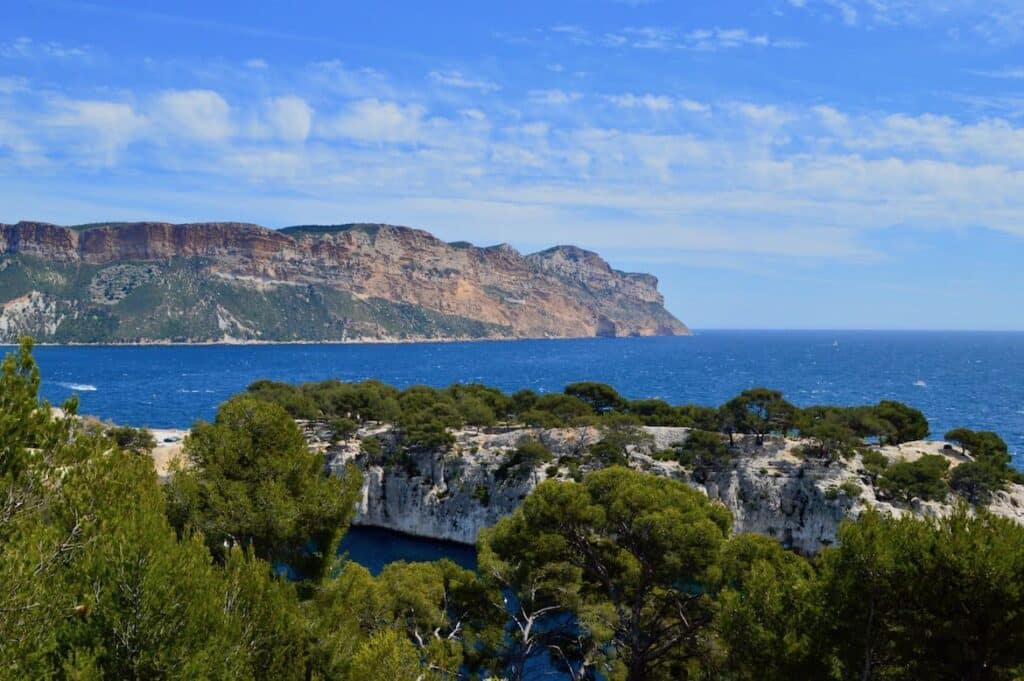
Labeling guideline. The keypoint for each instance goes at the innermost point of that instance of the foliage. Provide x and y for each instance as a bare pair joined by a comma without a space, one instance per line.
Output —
342,428
252,482
95,582
983,446
874,462
765,613
138,440
625,546
601,397
975,481
760,412
923,478
924,599
622,575
554,410
702,452
906,423
527,456
850,489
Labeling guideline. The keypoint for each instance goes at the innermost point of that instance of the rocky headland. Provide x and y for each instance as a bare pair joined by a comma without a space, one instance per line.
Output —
772,489
230,282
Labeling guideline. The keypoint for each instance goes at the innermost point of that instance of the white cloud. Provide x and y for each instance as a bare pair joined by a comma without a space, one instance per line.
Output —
847,12
766,115
663,38
10,85
651,102
371,120
27,48
457,80
257,64
995,21
833,120
694,106
657,103
554,97
290,118
1007,73
99,129
756,177
202,115
474,114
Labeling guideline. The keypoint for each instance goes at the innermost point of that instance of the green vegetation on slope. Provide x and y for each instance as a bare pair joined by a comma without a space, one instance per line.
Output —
425,415
623,576
182,301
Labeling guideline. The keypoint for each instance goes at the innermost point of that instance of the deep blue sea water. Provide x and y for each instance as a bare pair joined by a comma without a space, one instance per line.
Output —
374,548
970,379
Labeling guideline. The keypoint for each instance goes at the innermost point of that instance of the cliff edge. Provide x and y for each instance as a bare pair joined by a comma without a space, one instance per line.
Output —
232,282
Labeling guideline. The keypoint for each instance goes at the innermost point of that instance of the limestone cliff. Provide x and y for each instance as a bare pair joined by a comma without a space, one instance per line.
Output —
158,282
769,490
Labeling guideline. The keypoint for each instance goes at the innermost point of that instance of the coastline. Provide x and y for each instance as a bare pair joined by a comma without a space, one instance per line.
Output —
353,341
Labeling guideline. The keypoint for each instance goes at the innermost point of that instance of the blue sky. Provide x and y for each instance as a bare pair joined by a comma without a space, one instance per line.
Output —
777,164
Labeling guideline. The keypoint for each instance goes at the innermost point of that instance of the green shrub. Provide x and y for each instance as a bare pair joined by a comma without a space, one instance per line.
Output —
343,428
475,412
483,495
975,481
829,439
138,440
982,445
874,461
425,434
702,452
665,455
527,455
906,424
923,478
608,453
371,447
851,489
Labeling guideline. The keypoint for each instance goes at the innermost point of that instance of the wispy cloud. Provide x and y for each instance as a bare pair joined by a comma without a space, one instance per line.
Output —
12,84
554,97
664,38
27,48
758,177
456,79
1012,73
995,21
657,103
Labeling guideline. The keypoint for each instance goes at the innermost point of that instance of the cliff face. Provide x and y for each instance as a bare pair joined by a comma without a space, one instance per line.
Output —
769,490
228,281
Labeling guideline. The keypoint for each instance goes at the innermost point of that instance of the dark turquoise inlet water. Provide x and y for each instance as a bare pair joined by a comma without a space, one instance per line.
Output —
374,548
970,379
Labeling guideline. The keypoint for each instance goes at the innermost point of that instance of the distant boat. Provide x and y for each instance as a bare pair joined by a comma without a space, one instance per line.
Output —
835,344
920,384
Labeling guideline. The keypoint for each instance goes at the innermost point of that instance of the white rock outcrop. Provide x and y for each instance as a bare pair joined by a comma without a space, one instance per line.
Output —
770,490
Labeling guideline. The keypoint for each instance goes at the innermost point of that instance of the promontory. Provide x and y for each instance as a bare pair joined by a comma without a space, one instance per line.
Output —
229,282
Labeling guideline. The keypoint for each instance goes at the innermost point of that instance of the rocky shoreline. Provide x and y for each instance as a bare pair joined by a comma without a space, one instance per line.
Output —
770,489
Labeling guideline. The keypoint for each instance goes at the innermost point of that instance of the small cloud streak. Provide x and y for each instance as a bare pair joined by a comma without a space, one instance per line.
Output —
456,79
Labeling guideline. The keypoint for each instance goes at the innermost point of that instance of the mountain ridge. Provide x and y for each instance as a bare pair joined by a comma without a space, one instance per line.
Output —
232,281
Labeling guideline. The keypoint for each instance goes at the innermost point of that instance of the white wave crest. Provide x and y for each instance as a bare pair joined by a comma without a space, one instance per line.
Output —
81,387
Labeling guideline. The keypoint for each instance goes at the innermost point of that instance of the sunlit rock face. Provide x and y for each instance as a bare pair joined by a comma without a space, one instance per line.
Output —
771,490
138,282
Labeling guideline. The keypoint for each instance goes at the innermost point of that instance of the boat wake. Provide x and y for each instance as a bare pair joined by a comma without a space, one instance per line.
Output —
81,387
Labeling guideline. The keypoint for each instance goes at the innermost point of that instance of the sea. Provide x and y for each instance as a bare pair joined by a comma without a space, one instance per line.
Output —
971,379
